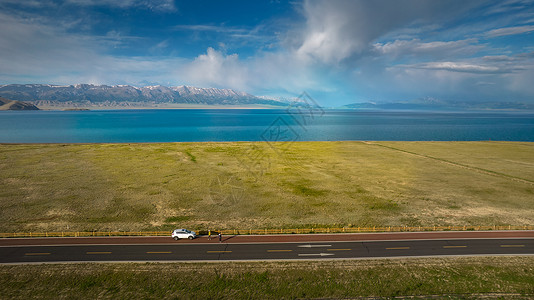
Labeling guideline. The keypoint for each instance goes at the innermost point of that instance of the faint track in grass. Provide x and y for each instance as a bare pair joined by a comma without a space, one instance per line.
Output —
471,168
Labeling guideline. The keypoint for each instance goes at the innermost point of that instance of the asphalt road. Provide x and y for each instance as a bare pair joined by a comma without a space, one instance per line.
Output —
183,251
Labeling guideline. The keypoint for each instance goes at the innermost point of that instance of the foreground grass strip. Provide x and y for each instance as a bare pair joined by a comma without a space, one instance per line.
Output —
465,277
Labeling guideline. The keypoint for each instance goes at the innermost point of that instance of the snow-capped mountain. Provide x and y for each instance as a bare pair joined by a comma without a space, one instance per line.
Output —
101,94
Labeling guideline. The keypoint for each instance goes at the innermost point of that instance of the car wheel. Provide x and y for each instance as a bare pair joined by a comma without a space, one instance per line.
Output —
190,237
176,238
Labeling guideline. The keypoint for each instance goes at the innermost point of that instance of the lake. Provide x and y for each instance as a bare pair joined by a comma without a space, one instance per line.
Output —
200,125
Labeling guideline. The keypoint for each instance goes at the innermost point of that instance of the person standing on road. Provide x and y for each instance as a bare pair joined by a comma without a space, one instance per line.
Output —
209,235
220,237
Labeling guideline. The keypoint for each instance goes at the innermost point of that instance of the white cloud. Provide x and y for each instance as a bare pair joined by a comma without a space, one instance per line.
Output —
257,36
496,64
155,5
26,46
279,71
386,45
159,47
458,67
216,68
31,50
403,84
499,58
213,28
508,6
338,30
29,3
496,78
416,47
510,31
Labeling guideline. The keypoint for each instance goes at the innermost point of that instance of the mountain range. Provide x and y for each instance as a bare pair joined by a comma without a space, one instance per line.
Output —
106,95
89,95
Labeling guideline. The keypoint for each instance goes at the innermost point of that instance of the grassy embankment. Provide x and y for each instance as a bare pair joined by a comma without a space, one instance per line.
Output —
198,185
453,278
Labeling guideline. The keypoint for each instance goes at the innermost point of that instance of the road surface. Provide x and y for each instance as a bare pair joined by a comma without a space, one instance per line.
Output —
281,247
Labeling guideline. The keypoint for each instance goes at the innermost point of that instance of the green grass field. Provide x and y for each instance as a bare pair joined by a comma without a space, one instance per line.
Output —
451,278
79,187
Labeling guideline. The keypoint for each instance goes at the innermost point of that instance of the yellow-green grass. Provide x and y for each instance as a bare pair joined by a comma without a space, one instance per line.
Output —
420,278
243,185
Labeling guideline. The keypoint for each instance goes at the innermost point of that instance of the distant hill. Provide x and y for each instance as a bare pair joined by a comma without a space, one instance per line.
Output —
119,94
393,106
7,104
434,104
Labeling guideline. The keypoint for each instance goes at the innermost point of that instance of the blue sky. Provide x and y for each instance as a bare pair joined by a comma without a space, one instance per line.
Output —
338,51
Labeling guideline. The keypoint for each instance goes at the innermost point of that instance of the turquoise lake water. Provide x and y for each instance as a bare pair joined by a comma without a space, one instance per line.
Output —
199,125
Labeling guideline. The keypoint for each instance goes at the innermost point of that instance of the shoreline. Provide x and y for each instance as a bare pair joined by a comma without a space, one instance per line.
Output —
262,107
156,107
261,141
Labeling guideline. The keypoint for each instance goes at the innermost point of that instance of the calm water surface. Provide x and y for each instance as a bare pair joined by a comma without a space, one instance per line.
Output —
198,125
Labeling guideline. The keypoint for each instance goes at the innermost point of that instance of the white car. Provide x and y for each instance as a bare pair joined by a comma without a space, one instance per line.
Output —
183,234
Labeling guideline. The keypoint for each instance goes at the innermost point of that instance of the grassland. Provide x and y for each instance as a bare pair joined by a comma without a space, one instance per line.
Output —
130,187
452,278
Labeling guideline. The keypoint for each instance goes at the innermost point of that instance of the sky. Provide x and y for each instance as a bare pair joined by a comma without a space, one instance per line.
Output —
339,52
